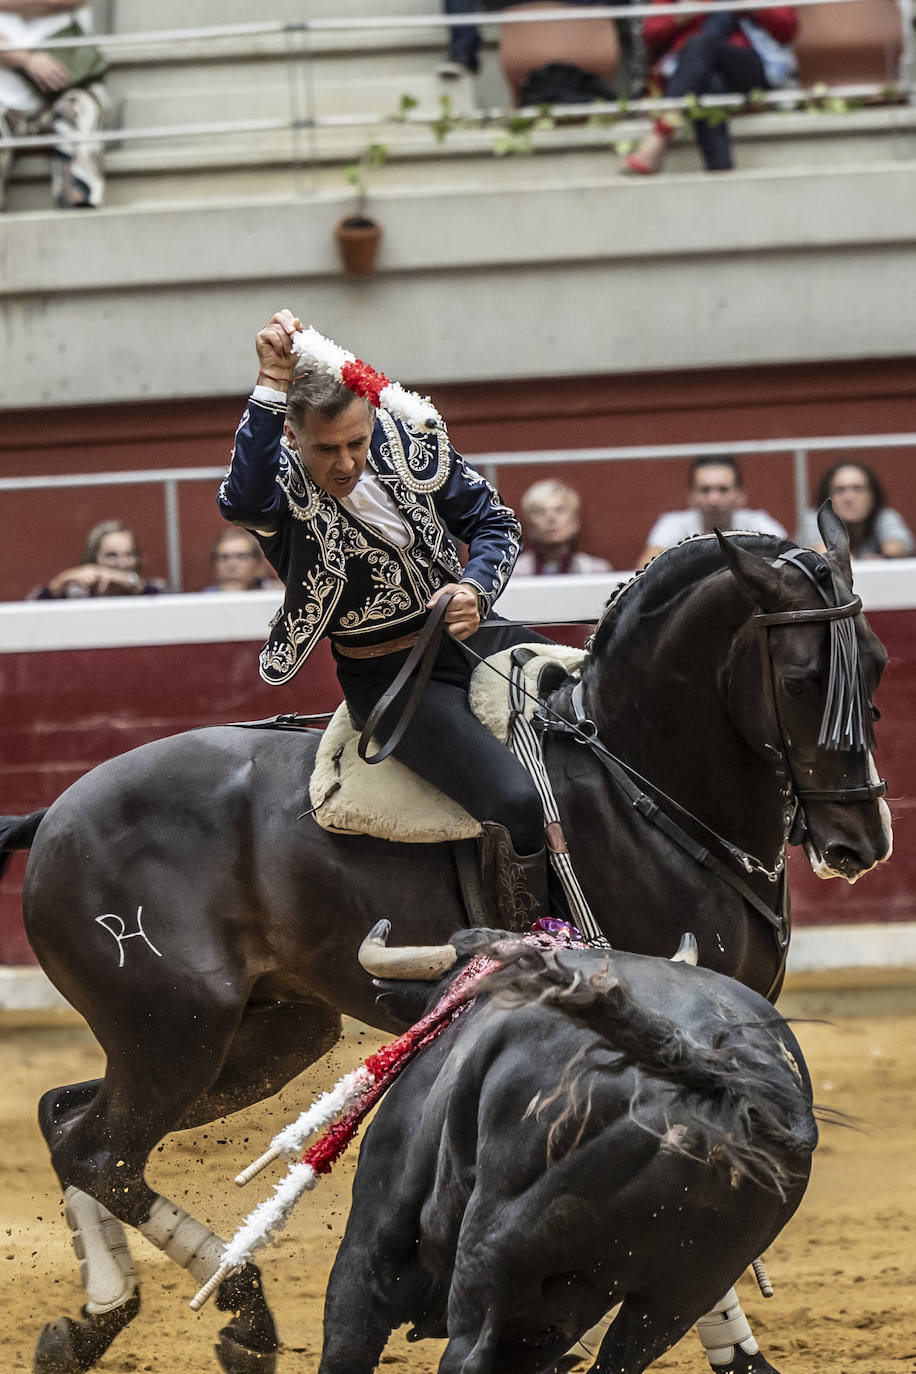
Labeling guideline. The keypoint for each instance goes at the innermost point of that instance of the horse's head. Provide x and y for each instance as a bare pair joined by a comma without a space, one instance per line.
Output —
799,684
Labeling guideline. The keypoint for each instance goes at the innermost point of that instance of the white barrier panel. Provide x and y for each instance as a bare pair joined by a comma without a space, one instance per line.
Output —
813,949
242,617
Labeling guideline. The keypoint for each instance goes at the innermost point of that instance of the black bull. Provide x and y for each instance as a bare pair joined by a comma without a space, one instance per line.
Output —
563,1148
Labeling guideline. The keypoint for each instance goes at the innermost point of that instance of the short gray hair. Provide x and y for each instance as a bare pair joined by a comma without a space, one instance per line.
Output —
316,391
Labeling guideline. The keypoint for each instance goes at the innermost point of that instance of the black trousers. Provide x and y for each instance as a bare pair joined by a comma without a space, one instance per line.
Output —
709,65
464,40
445,743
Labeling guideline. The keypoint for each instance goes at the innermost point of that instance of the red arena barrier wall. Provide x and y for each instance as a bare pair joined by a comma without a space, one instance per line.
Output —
66,709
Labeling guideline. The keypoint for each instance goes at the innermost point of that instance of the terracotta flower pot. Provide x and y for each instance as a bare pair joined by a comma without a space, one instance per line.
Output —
359,239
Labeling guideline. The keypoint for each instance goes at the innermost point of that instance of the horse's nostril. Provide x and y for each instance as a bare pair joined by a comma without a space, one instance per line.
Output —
844,860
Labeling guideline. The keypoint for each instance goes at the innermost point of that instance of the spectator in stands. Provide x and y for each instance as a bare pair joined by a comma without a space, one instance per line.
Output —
464,43
712,54
239,565
717,498
110,567
44,92
876,530
551,526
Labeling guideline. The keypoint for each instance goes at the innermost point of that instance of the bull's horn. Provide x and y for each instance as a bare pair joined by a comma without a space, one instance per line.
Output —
404,961
688,951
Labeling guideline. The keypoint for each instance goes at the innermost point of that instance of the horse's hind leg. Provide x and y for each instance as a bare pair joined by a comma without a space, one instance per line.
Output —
728,1340
274,1042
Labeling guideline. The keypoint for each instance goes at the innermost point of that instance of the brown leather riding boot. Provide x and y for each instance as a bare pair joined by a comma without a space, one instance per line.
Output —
515,885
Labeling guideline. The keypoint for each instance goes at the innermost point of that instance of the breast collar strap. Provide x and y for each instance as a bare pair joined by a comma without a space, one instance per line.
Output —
585,731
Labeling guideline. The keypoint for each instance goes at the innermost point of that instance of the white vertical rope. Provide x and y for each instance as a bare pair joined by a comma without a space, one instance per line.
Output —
526,746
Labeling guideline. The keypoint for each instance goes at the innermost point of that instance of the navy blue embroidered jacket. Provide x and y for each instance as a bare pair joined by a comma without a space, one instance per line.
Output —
342,576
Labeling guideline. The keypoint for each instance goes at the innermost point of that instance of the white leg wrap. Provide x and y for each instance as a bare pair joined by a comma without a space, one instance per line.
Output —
188,1243
106,1268
587,1346
724,1327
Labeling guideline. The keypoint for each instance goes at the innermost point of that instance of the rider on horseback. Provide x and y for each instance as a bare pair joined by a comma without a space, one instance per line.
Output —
358,513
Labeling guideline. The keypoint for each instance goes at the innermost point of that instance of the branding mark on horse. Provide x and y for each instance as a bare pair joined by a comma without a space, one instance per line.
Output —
122,933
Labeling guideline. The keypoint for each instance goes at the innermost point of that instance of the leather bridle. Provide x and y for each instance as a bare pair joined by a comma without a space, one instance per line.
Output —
763,622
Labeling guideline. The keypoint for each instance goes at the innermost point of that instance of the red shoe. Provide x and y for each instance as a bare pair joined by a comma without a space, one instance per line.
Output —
634,163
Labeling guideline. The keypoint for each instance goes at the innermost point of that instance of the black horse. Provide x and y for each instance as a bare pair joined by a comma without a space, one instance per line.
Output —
207,928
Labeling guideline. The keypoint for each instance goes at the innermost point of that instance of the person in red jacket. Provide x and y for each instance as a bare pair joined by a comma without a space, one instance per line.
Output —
710,54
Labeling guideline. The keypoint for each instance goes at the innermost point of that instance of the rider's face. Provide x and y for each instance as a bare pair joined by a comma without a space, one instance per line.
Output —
716,494
334,449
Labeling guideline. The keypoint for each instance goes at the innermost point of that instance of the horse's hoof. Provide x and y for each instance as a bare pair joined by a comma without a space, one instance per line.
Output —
241,1359
58,1349
70,1347
742,1363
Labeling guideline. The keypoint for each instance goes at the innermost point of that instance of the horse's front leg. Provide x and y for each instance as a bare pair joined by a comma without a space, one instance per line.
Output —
247,1344
107,1272
100,1136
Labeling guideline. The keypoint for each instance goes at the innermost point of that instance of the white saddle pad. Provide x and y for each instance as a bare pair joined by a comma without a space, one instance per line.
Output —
386,799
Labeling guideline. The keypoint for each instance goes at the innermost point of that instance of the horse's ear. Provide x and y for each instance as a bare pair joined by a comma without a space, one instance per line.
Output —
757,579
836,541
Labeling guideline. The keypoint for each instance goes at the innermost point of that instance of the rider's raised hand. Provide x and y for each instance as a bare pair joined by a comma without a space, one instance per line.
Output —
274,345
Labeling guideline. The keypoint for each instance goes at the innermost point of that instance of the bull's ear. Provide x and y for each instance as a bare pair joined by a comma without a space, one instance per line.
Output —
757,579
836,541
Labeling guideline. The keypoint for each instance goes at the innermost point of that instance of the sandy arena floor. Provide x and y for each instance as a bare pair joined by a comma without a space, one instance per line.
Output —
844,1270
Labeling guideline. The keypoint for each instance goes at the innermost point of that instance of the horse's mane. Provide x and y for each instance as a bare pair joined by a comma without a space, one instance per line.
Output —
672,574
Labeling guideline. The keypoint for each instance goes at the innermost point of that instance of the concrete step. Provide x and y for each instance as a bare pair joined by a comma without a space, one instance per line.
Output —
252,166
271,88
132,16
176,19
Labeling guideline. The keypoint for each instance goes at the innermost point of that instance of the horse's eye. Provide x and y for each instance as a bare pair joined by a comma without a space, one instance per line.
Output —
875,713
794,686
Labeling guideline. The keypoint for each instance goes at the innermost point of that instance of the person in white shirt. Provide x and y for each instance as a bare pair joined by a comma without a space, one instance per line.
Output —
717,498
41,95
551,511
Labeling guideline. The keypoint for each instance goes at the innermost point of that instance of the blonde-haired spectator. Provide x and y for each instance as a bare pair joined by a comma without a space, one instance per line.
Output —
110,567
551,521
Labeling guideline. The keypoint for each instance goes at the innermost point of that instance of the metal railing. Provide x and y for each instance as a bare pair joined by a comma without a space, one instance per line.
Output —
298,35
488,463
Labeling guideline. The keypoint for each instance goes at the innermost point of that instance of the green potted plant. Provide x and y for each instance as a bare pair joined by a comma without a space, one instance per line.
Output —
358,234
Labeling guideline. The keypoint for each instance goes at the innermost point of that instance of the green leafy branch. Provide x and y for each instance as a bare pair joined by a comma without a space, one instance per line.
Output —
515,133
